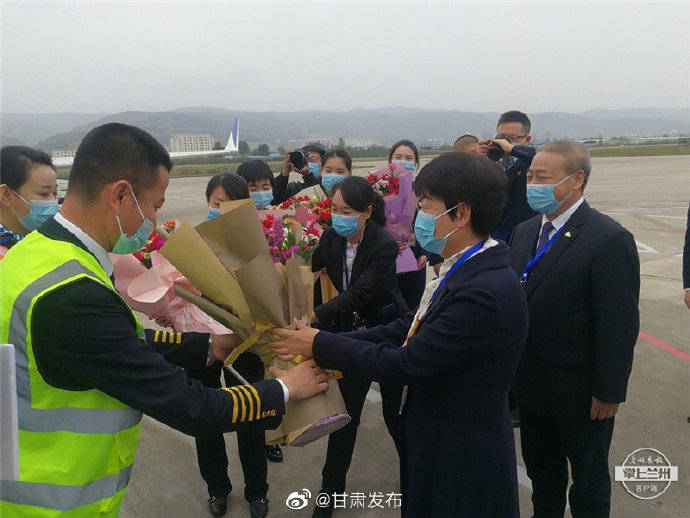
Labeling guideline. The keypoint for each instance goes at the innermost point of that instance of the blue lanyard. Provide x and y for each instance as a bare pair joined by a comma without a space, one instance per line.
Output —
457,265
532,262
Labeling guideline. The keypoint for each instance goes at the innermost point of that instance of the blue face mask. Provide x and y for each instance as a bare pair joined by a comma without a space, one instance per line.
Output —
424,230
262,199
40,211
541,197
213,212
314,169
330,180
407,164
345,226
130,244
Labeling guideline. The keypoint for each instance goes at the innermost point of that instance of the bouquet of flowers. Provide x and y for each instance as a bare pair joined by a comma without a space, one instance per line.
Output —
147,280
287,236
318,209
385,183
155,242
246,289
394,184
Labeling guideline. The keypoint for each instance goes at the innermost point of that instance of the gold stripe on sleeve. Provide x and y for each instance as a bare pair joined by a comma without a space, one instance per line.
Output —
250,398
258,400
155,336
235,406
179,338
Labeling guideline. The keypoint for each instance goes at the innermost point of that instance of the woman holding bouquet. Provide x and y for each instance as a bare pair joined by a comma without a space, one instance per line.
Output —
211,452
457,354
28,193
404,154
359,257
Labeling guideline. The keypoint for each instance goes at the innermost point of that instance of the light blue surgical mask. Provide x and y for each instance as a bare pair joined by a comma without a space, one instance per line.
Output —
315,170
345,226
425,228
130,244
213,212
262,199
541,196
407,164
40,211
330,180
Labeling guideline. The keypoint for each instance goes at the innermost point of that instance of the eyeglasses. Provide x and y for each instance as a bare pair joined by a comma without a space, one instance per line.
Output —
511,138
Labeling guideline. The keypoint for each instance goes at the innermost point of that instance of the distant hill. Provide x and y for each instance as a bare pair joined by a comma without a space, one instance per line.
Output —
34,127
9,141
383,125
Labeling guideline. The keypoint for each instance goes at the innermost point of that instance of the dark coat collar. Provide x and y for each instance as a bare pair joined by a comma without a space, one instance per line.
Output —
495,258
571,230
371,230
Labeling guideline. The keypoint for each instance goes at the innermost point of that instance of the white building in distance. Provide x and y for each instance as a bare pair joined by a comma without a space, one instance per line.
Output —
186,142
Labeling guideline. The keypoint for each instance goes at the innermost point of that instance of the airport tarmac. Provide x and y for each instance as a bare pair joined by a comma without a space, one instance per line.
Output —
649,196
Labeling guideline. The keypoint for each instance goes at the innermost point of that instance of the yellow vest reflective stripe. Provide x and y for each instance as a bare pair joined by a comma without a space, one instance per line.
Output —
76,448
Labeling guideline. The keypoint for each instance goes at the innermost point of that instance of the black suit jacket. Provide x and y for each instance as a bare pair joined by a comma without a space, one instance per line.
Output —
84,337
584,318
372,280
686,255
458,442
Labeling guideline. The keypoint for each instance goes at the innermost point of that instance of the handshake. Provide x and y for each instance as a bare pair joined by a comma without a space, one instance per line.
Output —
303,381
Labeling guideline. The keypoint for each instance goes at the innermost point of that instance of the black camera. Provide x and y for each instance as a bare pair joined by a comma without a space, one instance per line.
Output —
495,152
299,158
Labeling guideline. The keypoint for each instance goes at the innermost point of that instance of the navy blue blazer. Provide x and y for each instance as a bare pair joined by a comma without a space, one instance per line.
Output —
583,298
458,446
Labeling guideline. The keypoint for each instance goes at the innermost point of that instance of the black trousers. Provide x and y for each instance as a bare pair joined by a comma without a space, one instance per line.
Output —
341,444
211,452
411,286
549,442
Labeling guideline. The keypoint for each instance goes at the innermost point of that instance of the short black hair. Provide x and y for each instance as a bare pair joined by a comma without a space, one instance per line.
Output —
233,185
254,170
315,147
339,153
16,162
404,142
113,152
466,136
360,195
516,116
475,181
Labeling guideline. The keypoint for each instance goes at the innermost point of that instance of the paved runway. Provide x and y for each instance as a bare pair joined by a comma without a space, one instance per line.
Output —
648,195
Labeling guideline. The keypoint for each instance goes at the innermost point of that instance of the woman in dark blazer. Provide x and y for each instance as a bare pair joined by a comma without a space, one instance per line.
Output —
457,355
359,257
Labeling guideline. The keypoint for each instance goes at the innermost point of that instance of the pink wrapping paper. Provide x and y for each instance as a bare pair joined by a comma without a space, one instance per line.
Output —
151,292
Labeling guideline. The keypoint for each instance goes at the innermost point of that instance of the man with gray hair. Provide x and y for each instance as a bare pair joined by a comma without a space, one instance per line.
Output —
581,274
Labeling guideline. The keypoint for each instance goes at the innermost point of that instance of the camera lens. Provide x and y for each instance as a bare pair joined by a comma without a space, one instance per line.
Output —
298,158
494,152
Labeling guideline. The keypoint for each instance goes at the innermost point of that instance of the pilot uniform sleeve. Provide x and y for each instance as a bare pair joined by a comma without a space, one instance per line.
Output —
188,350
84,337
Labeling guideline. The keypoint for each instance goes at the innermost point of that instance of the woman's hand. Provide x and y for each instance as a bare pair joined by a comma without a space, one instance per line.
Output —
293,343
421,262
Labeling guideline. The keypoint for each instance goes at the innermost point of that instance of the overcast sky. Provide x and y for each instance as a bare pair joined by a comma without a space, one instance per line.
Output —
87,57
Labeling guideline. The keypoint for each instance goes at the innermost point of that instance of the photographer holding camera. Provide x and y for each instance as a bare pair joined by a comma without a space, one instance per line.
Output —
305,161
511,150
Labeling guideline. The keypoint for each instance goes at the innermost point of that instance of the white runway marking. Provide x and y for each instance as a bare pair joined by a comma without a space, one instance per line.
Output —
662,216
523,479
641,247
373,396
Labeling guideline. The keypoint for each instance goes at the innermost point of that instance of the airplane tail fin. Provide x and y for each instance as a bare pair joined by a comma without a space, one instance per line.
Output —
234,138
